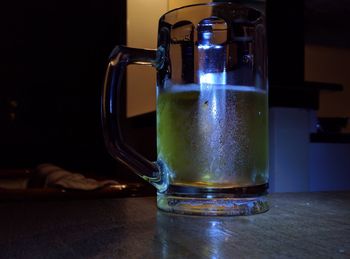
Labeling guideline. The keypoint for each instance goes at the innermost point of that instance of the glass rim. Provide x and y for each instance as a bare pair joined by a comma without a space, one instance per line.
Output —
207,4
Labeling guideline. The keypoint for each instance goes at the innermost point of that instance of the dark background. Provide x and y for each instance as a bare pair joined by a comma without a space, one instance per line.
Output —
53,57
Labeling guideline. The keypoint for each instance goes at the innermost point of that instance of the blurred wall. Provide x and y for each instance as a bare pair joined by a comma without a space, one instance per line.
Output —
330,64
178,3
142,26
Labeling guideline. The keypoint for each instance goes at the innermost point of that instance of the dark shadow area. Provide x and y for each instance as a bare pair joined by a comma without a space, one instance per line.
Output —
53,59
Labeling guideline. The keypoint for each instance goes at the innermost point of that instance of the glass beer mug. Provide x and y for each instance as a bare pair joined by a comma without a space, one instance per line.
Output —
212,110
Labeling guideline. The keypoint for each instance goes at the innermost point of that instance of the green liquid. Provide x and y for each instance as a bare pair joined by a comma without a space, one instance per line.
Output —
214,137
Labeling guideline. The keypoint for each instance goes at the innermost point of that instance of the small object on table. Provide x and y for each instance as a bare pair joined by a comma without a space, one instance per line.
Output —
49,175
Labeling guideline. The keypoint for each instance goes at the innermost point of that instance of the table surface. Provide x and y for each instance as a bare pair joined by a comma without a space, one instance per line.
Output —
298,225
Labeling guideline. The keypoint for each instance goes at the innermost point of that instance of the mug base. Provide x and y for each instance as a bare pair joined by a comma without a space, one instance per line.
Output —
212,204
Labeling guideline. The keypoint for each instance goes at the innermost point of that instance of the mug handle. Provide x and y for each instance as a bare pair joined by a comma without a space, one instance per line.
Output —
111,110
